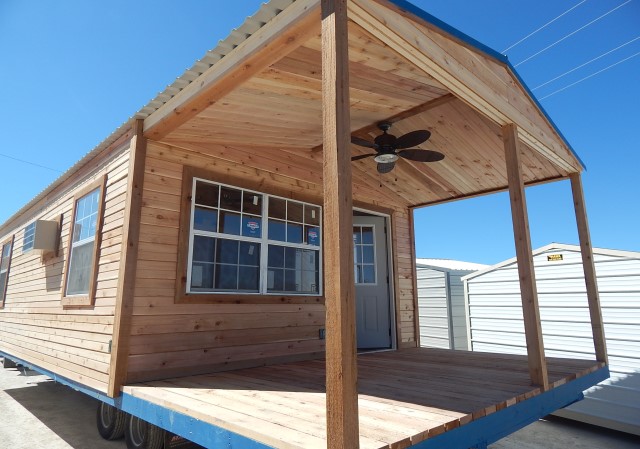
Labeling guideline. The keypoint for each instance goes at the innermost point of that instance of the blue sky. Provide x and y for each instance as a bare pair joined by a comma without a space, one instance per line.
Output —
73,71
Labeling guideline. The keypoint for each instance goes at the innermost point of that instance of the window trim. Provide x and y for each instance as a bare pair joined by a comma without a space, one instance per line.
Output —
88,299
3,292
189,175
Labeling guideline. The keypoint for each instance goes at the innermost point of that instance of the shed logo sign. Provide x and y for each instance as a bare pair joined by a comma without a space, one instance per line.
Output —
554,257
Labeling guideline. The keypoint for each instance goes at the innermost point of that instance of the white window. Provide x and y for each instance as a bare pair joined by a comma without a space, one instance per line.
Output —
81,258
29,236
242,241
364,267
5,259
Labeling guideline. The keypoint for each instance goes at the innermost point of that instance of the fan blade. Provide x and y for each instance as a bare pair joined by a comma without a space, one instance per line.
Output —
385,167
412,139
361,156
363,143
421,155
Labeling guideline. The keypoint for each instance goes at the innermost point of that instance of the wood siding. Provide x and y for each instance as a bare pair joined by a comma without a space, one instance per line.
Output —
34,325
174,339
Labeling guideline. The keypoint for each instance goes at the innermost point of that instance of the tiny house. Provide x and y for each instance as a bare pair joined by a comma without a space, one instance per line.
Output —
495,320
441,311
235,264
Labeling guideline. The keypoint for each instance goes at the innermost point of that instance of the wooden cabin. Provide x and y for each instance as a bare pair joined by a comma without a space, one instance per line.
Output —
215,265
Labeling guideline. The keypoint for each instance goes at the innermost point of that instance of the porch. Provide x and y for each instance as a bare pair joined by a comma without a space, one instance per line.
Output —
431,396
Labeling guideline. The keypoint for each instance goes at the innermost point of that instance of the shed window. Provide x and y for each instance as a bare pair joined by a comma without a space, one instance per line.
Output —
243,241
83,246
5,260
29,237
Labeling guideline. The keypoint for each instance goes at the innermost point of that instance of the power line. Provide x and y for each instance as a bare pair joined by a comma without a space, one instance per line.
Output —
586,63
30,163
542,27
591,76
572,33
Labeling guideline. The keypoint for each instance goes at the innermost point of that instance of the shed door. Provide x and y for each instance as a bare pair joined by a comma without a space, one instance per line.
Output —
371,273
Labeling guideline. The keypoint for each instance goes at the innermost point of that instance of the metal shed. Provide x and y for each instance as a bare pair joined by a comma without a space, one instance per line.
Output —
495,318
441,311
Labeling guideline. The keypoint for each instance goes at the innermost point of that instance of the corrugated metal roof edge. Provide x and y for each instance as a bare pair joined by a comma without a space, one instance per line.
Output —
256,21
556,246
422,14
449,264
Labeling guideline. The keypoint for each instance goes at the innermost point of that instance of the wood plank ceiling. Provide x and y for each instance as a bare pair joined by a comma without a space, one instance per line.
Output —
275,120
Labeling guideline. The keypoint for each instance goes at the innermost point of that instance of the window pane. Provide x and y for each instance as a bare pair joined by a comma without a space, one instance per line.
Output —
313,235
357,237
27,241
367,235
80,269
252,203
277,230
275,280
309,282
202,276
3,280
290,257
367,254
207,194
249,278
277,208
357,273
4,257
227,251
249,254
368,274
205,219
290,284
203,248
311,215
294,233
229,222
226,277
251,226
230,198
295,212
357,254
276,256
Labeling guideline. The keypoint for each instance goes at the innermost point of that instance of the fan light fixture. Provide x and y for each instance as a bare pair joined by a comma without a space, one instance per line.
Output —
386,158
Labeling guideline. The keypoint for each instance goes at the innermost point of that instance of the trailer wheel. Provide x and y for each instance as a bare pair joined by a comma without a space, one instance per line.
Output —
111,421
143,435
8,363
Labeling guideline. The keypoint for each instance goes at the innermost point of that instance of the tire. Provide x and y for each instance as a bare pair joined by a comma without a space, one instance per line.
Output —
143,435
8,363
111,421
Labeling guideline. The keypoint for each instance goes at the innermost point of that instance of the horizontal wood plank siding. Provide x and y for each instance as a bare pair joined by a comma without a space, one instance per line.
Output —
169,338
71,341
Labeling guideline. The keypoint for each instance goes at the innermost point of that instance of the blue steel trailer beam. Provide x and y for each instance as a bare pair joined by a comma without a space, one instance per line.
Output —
489,429
200,432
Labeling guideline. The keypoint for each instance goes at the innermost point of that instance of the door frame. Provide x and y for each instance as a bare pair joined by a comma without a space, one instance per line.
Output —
390,268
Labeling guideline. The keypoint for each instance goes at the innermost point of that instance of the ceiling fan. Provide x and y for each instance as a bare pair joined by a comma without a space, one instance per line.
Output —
387,146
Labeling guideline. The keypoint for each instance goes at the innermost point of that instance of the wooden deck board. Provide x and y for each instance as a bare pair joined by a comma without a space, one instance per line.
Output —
404,396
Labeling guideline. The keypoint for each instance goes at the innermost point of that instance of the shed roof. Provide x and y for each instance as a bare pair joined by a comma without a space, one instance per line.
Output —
449,264
406,66
556,247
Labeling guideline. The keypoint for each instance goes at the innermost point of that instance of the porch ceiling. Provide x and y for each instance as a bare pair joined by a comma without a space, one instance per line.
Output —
277,113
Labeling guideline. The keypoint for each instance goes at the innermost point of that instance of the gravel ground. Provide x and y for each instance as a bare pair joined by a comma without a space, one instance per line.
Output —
37,413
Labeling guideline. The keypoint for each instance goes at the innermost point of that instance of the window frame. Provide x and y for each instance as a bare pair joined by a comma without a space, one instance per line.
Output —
185,240
3,291
31,225
89,298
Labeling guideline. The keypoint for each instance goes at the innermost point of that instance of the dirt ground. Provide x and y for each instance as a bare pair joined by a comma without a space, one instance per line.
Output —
37,413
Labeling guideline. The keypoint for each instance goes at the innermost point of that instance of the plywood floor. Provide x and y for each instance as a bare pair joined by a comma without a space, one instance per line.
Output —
404,396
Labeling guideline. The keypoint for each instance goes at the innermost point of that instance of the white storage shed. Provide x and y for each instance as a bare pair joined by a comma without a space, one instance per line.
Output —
441,310
493,304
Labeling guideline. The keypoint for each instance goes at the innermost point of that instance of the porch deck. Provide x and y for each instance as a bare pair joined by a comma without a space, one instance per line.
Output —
405,397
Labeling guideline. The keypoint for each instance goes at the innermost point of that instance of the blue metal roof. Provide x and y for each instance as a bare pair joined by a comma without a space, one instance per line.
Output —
454,32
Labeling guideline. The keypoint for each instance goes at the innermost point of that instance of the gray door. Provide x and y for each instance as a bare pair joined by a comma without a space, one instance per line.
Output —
373,305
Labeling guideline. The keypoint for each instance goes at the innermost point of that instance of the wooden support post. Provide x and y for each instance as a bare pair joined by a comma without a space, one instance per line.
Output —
528,289
341,362
589,268
128,261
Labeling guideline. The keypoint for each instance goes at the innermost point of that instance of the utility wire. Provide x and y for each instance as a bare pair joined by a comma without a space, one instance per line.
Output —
542,27
30,163
572,33
591,76
586,63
